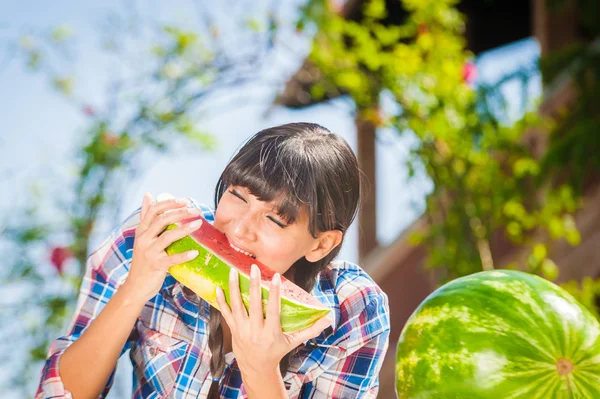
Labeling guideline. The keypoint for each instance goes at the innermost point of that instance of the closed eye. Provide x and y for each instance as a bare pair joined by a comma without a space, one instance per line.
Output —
237,195
278,223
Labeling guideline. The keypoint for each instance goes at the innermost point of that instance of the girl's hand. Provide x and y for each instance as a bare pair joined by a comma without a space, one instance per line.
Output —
150,262
259,343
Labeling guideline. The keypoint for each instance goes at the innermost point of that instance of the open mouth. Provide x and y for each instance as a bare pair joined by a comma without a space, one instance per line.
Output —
242,251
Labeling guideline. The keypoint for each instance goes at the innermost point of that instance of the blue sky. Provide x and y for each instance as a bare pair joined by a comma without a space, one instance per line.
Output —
40,130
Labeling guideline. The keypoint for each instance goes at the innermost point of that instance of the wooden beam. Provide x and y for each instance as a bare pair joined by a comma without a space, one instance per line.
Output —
367,215
555,27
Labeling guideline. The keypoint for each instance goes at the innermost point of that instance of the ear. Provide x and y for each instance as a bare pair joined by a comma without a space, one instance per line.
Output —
324,244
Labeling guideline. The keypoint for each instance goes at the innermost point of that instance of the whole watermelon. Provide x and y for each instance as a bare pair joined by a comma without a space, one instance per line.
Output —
499,334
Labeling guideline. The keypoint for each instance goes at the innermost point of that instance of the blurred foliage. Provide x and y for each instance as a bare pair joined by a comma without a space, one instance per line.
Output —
173,76
490,185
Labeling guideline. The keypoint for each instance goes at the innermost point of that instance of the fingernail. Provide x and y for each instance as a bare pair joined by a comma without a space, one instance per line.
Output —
254,271
195,224
276,279
219,292
192,254
182,201
164,197
232,274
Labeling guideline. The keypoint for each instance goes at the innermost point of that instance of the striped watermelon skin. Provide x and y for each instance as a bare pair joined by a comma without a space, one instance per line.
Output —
499,334
211,269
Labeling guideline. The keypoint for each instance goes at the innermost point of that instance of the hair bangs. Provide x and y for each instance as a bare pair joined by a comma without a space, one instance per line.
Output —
274,174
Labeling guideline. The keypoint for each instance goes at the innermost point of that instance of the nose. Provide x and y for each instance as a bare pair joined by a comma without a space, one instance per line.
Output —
243,227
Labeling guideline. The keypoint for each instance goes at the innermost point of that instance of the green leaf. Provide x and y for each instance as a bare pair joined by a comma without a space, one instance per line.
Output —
317,91
556,227
65,85
206,140
255,25
39,352
387,36
27,42
571,233
524,166
514,209
158,50
540,251
416,238
62,33
375,9
549,269
33,61
350,80
183,39
514,230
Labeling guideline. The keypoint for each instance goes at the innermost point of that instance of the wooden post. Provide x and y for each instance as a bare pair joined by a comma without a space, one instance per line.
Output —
555,28
367,216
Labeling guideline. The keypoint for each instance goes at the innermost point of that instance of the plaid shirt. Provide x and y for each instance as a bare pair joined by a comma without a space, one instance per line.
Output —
169,341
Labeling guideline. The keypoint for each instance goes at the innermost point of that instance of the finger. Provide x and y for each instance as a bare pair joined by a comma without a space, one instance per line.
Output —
301,336
256,309
157,208
169,237
146,203
171,216
223,307
165,261
235,297
274,306
144,206
143,226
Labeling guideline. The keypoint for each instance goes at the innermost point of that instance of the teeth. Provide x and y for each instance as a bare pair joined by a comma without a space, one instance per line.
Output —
242,251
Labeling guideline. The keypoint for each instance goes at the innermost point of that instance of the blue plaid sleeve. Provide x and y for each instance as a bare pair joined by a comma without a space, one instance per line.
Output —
353,370
106,270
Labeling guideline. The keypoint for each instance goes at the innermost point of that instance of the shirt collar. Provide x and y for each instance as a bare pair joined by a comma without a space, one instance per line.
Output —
187,301
324,292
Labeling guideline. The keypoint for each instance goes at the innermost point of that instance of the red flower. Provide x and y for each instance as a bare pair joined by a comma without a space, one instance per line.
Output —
110,139
422,29
469,72
337,6
89,111
58,256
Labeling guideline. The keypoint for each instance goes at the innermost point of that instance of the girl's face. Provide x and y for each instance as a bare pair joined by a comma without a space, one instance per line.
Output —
253,226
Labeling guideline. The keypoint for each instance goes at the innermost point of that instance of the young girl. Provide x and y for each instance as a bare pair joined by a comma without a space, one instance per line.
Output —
287,199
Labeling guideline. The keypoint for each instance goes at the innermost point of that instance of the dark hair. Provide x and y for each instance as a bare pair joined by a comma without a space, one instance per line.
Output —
301,167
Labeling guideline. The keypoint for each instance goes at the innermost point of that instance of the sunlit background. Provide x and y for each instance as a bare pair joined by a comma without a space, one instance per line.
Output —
99,62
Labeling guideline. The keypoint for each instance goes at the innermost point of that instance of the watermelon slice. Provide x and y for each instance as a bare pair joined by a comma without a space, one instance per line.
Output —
211,269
